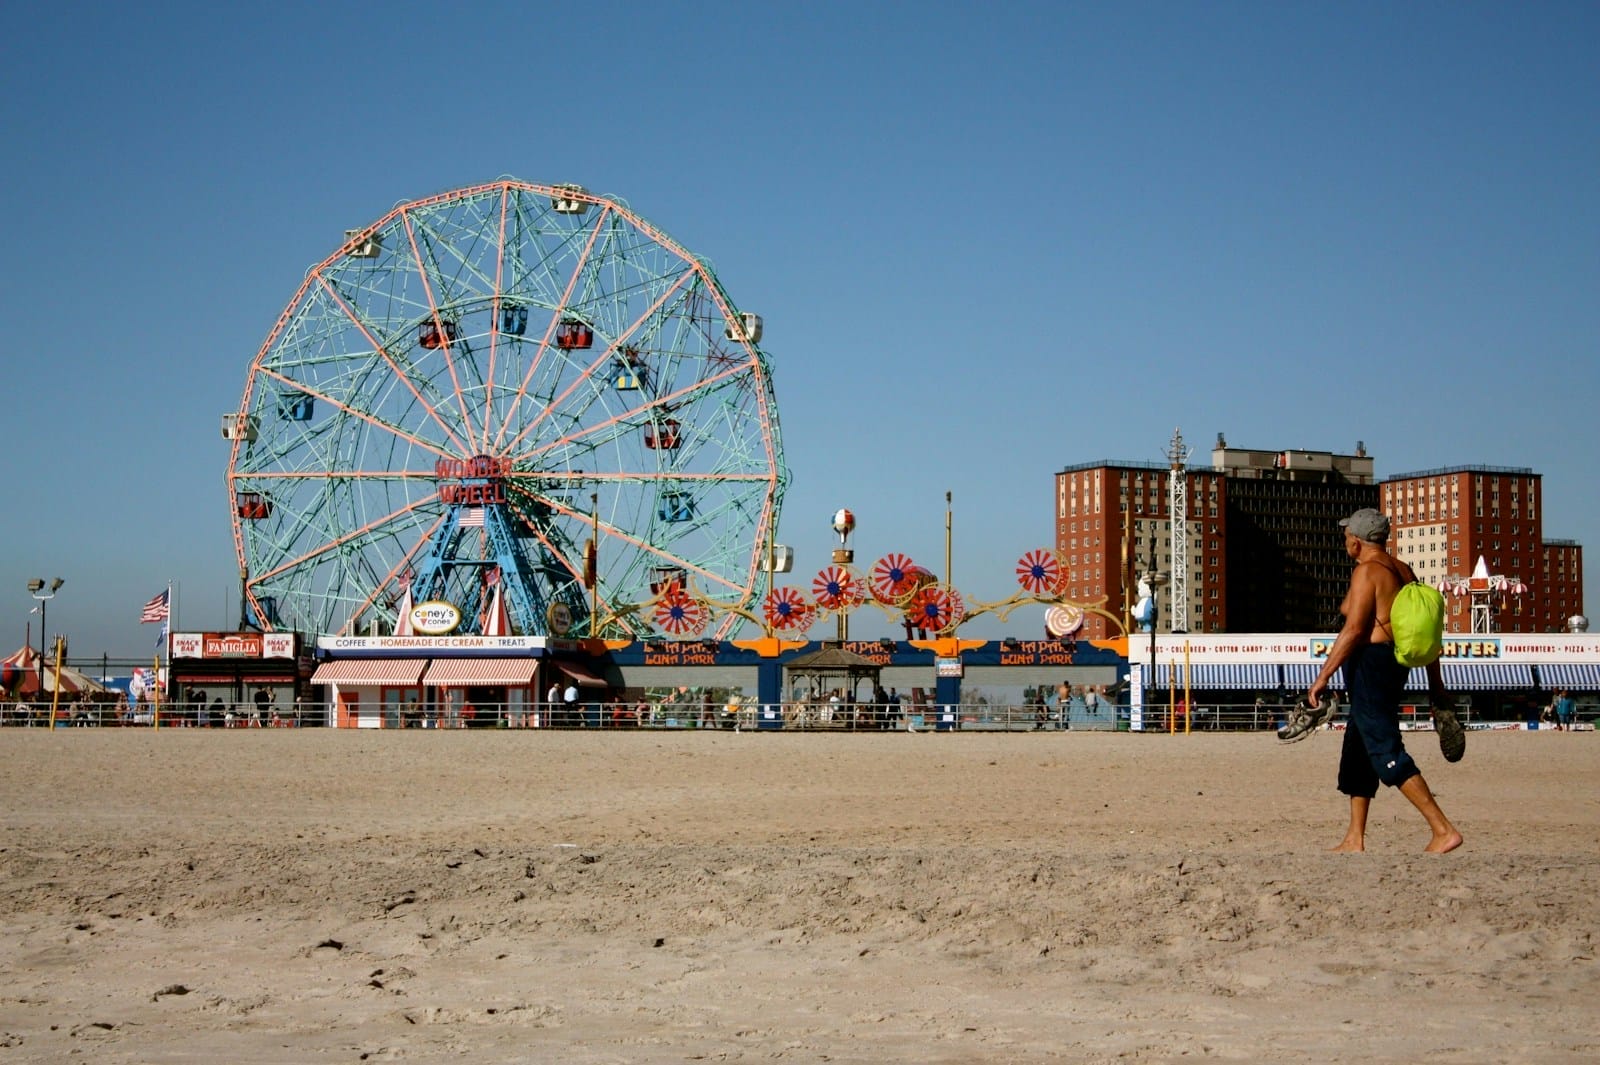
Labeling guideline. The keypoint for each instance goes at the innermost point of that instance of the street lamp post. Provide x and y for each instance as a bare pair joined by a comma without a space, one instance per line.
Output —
1156,580
37,589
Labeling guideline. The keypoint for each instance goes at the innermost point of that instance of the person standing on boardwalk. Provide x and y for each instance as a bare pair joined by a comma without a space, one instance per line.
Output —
1373,749
1563,705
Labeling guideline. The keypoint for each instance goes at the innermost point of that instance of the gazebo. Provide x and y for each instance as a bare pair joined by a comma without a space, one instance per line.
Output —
821,669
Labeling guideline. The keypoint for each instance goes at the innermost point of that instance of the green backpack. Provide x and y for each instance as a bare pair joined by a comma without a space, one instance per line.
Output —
1416,620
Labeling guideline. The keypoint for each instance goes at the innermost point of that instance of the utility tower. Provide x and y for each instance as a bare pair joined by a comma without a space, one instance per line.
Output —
1178,515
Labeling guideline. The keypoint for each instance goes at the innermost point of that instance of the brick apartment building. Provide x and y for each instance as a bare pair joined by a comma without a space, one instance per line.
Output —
1446,519
1264,549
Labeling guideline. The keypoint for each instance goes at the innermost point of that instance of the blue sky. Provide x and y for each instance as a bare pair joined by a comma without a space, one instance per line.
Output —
988,242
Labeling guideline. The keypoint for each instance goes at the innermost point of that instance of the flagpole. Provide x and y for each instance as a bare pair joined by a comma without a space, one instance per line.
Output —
155,714
166,633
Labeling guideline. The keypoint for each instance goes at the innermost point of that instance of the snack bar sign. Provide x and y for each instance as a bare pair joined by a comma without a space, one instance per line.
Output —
233,645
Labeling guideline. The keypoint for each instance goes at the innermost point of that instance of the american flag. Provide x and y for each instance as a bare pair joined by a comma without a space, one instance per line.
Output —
156,609
472,517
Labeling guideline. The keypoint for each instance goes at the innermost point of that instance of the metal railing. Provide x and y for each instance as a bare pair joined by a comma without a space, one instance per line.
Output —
103,714
802,716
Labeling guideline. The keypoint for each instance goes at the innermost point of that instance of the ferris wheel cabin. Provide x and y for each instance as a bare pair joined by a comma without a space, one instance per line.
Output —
676,507
513,319
252,506
436,334
665,438
574,333
663,577
363,245
237,426
295,407
569,204
746,328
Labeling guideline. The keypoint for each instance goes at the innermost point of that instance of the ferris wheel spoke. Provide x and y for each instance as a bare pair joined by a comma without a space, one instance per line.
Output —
582,393
348,539
648,400
670,402
660,557
550,335
400,373
377,423
392,578
428,272
496,312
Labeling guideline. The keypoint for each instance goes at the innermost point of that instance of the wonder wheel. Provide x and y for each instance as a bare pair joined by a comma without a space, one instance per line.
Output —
478,385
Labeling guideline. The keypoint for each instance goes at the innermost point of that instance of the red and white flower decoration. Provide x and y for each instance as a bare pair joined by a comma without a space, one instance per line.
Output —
679,615
839,588
936,608
894,577
1041,573
787,609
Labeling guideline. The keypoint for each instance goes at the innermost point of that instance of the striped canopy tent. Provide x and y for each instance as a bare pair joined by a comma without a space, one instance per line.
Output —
19,676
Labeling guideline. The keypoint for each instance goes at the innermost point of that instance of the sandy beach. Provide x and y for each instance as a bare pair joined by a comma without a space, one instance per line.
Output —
320,896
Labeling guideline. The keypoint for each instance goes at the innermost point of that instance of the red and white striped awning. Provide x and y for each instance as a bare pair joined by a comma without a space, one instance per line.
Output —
515,672
579,675
370,671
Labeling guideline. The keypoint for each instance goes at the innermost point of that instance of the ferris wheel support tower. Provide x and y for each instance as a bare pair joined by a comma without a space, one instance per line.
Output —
1178,515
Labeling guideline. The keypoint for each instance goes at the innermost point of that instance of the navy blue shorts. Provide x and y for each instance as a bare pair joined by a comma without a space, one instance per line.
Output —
1373,750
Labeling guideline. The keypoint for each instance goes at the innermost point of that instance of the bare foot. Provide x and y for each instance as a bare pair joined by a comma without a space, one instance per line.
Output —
1443,844
1353,846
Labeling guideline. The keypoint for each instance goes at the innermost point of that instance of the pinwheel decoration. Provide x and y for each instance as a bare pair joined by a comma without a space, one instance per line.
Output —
786,609
678,614
894,578
1041,573
936,608
839,588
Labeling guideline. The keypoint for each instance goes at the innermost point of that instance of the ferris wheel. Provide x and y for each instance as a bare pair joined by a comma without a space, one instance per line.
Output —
508,387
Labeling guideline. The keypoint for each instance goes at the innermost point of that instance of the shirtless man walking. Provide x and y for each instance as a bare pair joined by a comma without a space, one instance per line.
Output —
1373,749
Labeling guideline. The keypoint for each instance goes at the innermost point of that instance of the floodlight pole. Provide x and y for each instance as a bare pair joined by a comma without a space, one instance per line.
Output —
37,589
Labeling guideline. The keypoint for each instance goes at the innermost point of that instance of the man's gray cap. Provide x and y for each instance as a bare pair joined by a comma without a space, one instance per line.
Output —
1369,525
